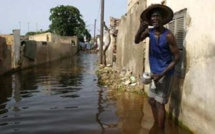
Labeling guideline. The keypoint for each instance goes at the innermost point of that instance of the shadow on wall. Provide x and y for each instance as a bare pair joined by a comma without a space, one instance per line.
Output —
177,87
176,97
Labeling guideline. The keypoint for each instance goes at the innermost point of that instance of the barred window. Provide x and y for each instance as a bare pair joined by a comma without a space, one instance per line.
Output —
177,27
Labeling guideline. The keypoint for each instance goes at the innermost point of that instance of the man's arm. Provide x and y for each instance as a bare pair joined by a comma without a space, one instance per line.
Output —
176,56
142,32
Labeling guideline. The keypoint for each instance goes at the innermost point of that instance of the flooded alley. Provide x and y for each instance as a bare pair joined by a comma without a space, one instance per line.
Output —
63,97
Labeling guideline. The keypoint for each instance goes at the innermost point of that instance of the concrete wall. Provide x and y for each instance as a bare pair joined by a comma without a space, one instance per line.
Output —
42,37
49,52
16,37
131,4
8,51
114,26
109,52
5,55
56,48
129,55
12,53
192,100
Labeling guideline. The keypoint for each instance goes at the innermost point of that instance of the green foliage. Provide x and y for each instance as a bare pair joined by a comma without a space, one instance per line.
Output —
34,33
67,21
31,33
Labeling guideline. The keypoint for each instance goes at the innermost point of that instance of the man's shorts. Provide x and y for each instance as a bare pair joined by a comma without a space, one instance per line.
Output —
162,91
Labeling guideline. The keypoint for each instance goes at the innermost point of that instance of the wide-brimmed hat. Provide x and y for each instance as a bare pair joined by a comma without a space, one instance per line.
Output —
166,12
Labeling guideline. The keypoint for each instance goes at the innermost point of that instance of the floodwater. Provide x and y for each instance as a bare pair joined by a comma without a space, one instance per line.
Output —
63,98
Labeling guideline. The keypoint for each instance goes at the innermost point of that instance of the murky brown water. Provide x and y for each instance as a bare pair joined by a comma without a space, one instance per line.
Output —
64,98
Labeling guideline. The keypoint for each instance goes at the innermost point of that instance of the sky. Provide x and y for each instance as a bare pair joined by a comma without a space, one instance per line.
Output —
33,15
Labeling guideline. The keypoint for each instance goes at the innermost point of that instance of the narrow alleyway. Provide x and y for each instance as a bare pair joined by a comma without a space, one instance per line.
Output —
63,97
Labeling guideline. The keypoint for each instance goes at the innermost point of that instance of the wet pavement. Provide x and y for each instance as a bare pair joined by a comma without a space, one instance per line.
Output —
63,97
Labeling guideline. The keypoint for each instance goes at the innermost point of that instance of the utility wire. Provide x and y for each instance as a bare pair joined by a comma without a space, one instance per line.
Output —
98,10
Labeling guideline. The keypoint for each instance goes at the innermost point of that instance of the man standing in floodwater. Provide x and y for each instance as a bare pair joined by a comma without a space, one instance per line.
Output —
163,56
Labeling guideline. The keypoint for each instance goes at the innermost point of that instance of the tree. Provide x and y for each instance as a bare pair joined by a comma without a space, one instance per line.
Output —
67,21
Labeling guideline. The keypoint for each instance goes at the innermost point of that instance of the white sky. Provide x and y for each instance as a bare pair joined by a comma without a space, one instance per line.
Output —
32,15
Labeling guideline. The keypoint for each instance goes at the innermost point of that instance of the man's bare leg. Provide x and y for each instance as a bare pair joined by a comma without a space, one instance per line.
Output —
161,115
152,103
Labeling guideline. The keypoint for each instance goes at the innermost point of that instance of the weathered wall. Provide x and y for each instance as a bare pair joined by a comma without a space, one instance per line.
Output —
49,52
130,55
114,25
42,37
109,52
131,4
12,53
58,47
8,51
16,45
5,55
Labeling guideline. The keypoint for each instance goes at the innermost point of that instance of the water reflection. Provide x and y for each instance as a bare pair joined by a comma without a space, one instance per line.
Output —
63,97
130,112
26,83
28,93
103,99
100,110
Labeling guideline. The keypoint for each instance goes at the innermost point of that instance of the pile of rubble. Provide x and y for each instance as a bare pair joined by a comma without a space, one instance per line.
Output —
121,80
